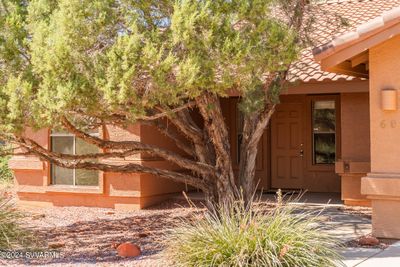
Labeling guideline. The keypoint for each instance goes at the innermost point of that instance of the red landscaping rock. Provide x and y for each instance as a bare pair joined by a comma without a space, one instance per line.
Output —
128,249
368,241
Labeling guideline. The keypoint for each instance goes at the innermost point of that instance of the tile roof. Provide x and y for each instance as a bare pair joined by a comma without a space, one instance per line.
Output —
355,12
388,18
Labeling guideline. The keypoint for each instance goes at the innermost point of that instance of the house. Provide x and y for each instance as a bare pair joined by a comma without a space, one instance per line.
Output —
336,129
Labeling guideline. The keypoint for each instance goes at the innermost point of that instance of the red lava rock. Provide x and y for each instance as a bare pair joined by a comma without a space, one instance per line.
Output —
128,249
368,241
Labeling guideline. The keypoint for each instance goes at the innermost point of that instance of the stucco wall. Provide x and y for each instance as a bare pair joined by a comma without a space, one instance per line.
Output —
383,183
116,190
355,127
355,158
385,125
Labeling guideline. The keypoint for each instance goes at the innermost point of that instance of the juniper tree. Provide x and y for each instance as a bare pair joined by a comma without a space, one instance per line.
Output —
73,64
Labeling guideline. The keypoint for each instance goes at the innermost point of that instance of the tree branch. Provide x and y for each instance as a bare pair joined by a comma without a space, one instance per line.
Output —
164,129
130,167
167,112
198,167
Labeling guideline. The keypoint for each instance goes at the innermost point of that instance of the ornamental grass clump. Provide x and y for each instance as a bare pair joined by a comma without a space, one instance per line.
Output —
12,235
252,235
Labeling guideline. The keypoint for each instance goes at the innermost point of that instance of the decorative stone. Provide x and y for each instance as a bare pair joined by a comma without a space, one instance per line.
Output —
128,249
368,241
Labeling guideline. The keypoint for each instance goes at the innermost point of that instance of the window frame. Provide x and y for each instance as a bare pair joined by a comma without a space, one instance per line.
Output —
309,131
313,132
74,185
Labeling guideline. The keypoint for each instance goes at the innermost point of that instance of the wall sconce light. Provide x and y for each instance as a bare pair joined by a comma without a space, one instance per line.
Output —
389,99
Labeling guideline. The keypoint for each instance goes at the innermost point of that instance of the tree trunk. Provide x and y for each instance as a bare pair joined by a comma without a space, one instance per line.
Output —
253,129
215,126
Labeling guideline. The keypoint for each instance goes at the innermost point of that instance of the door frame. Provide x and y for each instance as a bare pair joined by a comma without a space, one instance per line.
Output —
288,99
308,165
309,142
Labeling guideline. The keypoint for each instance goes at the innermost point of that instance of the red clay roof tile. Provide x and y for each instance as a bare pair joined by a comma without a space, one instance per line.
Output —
356,13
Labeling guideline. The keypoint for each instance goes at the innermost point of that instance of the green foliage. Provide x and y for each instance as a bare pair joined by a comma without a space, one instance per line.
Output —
242,236
102,57
6,175
12,235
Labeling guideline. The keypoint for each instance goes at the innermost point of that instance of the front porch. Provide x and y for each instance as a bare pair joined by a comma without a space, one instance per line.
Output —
314,142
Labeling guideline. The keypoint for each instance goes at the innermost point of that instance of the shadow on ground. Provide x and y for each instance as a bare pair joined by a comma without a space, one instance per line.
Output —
89,242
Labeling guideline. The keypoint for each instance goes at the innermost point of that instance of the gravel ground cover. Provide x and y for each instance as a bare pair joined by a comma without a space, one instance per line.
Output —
88,236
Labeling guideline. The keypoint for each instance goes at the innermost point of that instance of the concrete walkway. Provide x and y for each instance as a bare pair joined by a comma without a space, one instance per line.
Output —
372,257
344,226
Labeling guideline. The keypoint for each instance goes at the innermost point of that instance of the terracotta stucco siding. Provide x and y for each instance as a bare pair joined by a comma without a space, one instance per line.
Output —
355,127
116,190
385,125
76,199
28,178
355,159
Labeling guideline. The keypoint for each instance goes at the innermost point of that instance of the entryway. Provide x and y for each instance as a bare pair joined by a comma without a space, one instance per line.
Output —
287,146
305,143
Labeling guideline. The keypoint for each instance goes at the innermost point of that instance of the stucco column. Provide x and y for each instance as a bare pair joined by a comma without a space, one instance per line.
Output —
382,184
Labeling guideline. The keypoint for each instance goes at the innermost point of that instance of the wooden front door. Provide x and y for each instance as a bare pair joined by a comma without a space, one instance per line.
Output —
287,146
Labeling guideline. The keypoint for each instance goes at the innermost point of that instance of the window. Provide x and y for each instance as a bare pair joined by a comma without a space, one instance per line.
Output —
63,142
324,131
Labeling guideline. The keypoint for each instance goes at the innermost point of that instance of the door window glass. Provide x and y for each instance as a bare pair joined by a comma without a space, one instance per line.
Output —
324,131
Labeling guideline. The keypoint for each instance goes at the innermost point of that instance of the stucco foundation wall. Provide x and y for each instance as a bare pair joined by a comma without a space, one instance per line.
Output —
355,147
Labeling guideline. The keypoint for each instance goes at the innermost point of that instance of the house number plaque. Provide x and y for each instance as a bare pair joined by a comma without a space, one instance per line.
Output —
388,124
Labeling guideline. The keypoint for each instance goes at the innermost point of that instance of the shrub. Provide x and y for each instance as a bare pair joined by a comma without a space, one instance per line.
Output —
12,235
6,176
252,236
